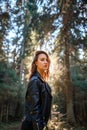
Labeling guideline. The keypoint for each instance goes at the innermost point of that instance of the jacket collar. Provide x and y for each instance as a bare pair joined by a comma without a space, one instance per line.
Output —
47,86
38,75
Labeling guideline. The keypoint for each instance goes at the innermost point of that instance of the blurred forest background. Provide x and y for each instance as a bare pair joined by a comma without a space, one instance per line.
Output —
58,27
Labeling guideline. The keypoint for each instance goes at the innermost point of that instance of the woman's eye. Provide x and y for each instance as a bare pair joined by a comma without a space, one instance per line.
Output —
42,59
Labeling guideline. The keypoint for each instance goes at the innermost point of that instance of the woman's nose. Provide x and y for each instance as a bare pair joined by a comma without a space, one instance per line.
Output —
46,61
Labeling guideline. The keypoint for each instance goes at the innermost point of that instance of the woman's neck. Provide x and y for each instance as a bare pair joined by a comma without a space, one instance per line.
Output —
42,74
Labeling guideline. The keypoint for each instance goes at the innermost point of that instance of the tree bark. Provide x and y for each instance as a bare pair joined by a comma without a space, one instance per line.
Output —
67,17
69,100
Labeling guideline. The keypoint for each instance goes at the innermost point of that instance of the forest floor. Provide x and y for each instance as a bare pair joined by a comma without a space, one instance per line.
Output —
57,122
53,125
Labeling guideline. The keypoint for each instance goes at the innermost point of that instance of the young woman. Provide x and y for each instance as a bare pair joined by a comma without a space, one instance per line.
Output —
38,94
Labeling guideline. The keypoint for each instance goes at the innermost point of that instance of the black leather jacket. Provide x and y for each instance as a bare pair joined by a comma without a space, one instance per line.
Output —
38,102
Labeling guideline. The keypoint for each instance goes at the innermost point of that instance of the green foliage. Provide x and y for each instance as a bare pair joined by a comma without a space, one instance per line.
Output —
11,92
79,77
12,74
32,6
9,126
9,82
8,73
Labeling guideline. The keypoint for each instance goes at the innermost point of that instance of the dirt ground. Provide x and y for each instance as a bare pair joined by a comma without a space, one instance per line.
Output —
57,122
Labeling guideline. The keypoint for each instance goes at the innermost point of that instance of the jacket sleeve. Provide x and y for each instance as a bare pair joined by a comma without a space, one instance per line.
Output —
33,100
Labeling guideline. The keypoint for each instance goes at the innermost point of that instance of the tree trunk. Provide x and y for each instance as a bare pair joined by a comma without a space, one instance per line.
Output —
7,107
69,102
1,114
67,17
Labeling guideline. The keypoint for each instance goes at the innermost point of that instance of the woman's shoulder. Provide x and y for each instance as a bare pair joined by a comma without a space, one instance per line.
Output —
33,82
33,79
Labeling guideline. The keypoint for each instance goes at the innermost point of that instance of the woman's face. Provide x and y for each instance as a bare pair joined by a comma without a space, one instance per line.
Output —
42,62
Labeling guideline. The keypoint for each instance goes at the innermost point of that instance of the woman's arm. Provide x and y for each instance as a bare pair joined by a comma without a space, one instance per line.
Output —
33,100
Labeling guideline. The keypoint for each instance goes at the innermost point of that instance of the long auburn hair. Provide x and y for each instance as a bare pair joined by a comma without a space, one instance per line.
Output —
34,67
